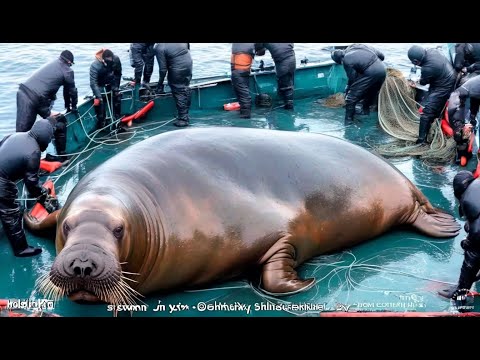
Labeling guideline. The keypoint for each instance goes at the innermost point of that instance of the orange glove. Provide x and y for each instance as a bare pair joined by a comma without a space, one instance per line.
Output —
96,102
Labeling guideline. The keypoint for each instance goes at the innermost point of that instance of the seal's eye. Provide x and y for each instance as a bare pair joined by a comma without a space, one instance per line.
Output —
66,228
118,232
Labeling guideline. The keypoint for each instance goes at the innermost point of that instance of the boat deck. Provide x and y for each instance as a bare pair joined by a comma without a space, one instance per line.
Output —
398,271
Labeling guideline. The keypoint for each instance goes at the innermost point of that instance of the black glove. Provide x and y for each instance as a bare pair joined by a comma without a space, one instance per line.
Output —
51,204
43,197
458,136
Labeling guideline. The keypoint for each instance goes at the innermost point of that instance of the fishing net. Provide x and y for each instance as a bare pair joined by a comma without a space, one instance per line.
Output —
398,116
333,101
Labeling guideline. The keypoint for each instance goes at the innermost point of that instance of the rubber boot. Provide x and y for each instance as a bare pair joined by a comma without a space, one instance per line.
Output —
183,99
362,109
245,113
365,109
101,123
288,105
423,131
13,227
117,106
349,113
473,122
287,95
468,274
29,251
182,122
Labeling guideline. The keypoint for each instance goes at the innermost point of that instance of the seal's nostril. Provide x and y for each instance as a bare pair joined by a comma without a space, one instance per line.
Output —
77,270
82,268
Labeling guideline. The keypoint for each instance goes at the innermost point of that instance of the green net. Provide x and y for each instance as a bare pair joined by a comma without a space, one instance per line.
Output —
398,116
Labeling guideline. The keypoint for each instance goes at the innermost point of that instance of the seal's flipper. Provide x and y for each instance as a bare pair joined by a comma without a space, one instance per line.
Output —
46,225
278,275
438,225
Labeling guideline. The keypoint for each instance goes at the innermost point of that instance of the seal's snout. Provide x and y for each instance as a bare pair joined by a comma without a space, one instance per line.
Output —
86,272
83,264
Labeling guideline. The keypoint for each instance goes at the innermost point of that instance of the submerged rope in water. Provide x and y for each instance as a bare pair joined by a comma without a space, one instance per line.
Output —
398,116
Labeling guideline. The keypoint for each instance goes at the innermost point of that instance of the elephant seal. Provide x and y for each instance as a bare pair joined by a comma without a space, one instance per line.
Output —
189,207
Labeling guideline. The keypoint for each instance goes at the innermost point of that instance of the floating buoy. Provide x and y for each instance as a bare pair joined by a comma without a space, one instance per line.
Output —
139,114
446,128
231,106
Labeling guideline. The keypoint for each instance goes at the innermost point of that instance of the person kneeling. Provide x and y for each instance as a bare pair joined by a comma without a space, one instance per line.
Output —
20,158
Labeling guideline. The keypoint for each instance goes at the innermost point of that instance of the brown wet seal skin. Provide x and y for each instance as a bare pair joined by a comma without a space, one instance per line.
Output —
186,208
45,227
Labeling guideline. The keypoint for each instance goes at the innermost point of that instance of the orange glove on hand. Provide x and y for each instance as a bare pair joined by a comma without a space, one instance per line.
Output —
96,102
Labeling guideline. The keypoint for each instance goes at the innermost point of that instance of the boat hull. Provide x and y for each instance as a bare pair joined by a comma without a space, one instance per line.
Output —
311,80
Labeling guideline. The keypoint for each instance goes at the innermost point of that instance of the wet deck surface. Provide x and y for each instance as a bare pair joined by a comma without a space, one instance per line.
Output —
396,272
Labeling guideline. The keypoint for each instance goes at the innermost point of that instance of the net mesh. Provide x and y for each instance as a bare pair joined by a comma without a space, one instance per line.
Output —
398,116
333,101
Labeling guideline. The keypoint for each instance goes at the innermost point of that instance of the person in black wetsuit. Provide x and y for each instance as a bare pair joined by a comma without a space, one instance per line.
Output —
106,72
365,72
456,104
241,63
37,94
467,60
467,191
142,57
175,59
437,71
20,159
283,56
